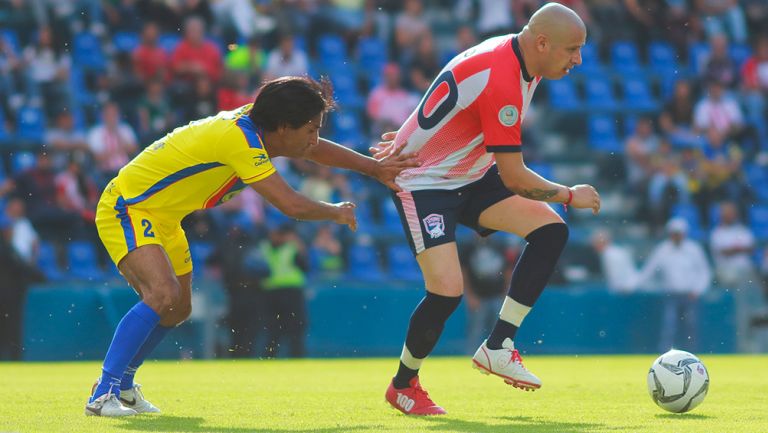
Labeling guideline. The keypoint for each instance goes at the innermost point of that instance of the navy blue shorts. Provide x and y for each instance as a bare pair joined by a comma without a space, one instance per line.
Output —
429,216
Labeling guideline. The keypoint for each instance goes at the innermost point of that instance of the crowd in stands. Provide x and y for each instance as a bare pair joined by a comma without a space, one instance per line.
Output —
671,93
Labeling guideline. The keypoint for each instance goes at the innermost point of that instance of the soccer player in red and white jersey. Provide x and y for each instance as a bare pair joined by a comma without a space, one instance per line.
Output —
466,131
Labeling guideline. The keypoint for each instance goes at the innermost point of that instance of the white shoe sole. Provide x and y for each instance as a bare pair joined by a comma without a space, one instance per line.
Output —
519,384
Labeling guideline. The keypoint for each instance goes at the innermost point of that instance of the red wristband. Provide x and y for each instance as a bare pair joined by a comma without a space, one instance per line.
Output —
570,199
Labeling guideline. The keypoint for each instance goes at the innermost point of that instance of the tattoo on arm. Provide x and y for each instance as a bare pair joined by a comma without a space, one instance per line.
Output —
538,194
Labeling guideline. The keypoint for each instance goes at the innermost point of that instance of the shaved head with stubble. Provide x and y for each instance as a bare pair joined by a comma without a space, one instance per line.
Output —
551,42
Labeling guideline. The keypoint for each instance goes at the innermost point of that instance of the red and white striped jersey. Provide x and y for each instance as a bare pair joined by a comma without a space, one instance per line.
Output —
472,109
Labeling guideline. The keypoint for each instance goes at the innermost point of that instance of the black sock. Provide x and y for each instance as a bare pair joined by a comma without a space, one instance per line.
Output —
424,329
531,274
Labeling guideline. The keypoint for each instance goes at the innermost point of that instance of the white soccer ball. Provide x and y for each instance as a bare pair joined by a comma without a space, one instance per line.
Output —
678,381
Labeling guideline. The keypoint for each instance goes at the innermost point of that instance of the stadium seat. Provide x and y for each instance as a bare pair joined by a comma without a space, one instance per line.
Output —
87,52
590,60
11,39
273,217
83,261
602,134
168,41
739,53
625,59
599,93
200,251
47,262
363,263
690,214
401,264
371,56
126,41
698,53
543,169
757,178
758,221
22,161
330,48
347,129
563,95
630,123
5,136
30,124
637,95
662,59
390,218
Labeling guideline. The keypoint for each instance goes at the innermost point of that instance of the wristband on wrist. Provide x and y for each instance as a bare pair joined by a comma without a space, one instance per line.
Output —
570,199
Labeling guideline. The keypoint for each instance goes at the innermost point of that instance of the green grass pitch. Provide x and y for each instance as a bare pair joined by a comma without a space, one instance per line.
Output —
580,394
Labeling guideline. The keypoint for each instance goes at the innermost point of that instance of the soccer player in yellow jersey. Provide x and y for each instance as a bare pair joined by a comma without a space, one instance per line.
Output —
198,166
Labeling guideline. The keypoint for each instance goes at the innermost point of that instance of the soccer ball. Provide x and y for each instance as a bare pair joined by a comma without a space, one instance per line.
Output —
678,381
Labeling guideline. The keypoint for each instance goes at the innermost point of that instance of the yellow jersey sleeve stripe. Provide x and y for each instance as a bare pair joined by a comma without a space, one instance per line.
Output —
261,176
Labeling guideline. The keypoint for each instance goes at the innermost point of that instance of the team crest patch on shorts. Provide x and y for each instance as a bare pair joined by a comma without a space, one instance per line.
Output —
435,225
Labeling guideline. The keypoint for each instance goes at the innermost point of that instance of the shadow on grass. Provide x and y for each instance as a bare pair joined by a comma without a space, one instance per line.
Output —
511,424
178,424
686,416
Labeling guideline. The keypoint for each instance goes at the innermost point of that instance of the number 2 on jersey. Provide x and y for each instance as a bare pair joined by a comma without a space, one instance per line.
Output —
148,233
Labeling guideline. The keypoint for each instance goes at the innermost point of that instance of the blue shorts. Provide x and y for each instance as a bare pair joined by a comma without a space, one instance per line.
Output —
429,216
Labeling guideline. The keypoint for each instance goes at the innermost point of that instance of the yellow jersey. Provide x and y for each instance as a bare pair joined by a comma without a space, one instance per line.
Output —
196,166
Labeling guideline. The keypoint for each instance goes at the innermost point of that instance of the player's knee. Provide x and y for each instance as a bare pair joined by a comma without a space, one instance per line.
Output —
553,235
445,285
177,314
163,296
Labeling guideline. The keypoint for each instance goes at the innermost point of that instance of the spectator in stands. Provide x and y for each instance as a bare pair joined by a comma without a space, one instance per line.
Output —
676,119
76,192
11,77
19,17
639,150
243,18
17,273
286,60
493,17
616,263
154,112
722,16
390,103
150,61
756,12
722,177
248,59
754,79
684,275
234,91
243,271
195,56
125,86
326,251
64,141
647,19
720,66
487,268
718,114
112,143
203,102
667,187
123,15
410,26
22,235
48,70
425,65
286,314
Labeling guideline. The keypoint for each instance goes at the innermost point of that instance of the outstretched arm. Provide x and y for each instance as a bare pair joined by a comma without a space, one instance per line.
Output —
384,168
526,183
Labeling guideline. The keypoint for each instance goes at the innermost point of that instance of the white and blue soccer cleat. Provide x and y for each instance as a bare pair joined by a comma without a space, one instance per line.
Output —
134,399
107,405
507,364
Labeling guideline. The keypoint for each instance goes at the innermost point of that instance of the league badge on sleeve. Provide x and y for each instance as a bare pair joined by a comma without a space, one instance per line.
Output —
508,115
435,225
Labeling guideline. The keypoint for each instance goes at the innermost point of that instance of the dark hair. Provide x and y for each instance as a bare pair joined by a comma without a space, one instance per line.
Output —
291,101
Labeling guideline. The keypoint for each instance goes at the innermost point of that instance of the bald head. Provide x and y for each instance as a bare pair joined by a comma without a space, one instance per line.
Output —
551,42
555,20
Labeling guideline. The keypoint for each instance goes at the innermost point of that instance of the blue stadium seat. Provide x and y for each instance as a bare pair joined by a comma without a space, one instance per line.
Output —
87,52
30,124
590,60
637,95
757,178
83,261
543,169
200,251
698,53
401,263
365,222
599,93
80,91
371,57
273,217
758,220
363,262
630,123
390,218
625,59
47,262
168,41
602,134
12,39
690,214
739,53
5,136
330,48
22,161
347,129
563,95
662,59
126,41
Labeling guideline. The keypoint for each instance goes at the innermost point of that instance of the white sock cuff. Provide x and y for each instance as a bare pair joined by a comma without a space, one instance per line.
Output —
513,311
409,360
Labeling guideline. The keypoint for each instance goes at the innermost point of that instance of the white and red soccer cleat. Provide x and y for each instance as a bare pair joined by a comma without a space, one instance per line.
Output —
413,400
507,364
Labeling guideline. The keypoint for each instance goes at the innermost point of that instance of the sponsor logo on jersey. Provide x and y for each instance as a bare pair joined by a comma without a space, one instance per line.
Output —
508,115
260,159
435,225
